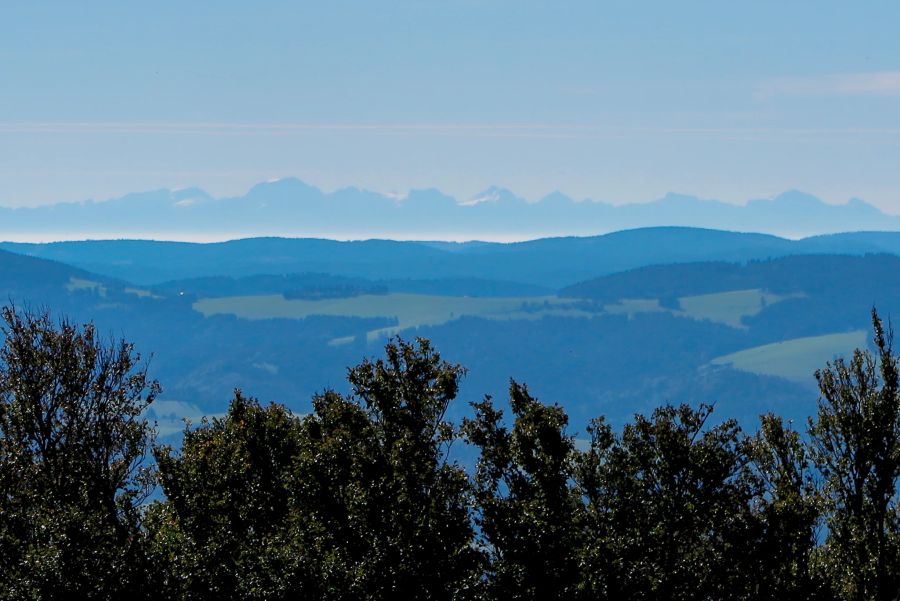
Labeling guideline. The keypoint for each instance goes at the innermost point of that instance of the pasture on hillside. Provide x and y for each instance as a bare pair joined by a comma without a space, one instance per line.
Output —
410,310
415,310
797,358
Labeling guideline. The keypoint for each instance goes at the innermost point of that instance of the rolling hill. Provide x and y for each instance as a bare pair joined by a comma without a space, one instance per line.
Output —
740,330
548,263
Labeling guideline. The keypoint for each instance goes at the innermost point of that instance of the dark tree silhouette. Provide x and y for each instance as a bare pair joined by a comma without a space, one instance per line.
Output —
855,445
222,531
73,441
669,506
526,507
387,510
361,500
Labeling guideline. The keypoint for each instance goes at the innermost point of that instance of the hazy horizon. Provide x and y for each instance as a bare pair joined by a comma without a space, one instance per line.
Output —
402,194
618,102
292,208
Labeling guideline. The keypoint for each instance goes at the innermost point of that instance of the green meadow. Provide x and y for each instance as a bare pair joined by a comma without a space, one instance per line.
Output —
728,307
723,307
796,359
79,284
415,310
410,310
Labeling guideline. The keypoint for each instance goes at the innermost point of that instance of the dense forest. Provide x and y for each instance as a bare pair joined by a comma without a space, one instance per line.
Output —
372,495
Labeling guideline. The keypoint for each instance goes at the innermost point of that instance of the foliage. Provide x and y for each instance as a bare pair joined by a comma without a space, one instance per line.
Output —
668,502
220,532
363,499
356,501
72,471
527,510
855,444
380,503
789,509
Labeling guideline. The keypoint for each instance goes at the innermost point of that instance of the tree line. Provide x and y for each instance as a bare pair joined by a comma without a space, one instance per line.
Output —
362,499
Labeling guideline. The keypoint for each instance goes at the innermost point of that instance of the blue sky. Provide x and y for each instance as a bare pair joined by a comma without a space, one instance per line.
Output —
615,101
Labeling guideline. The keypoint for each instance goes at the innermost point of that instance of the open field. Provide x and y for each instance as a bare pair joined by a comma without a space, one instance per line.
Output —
77,284
795,359
141,293
722,307
414,310
410,310
728,307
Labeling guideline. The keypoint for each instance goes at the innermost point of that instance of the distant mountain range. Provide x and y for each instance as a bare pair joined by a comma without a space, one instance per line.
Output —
547,264
290,207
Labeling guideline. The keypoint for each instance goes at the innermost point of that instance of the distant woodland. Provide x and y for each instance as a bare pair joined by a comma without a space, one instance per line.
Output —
739,321
379,493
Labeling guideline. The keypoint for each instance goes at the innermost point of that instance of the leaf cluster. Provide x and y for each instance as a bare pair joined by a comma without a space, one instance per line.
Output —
363,499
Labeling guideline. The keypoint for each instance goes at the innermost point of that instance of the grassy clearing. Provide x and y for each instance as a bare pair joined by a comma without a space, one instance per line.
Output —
722,307
140,293
341,341
76,284
795,359
415,310
728,307
410,310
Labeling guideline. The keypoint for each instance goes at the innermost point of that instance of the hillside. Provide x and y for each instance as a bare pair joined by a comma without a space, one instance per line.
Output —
744,334
548,263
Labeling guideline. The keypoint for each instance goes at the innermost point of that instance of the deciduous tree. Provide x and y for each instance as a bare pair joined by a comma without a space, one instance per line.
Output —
378,497
73,475
222,531
855,444
527,508
788,510
668,504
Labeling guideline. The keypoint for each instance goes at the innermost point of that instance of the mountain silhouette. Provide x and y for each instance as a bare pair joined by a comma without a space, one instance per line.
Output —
293,208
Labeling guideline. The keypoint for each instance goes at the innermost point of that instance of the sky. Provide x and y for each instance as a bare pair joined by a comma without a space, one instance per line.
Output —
613,101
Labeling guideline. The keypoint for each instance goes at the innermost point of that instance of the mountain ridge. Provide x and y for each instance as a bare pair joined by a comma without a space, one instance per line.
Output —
293,208
547,262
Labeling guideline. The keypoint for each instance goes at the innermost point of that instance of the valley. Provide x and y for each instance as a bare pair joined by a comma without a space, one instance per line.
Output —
612,330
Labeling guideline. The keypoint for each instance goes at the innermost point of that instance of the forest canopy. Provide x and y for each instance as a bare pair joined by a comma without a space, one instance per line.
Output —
377,494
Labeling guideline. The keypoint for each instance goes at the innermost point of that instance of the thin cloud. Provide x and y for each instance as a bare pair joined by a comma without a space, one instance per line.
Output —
464,130
879,83
213,127
504,130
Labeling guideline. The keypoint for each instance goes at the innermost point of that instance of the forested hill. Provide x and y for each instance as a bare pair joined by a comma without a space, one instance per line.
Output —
747,335
812,275
547,263
27,278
